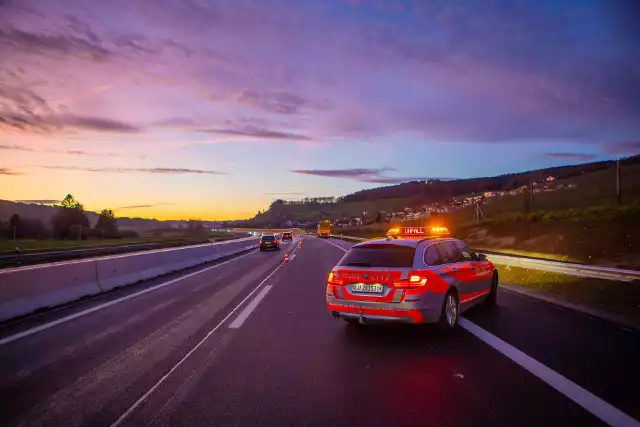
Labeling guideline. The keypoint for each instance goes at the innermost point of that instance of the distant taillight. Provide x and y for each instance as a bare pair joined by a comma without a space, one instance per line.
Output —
334,279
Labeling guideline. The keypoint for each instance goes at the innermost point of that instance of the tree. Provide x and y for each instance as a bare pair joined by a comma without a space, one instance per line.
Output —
108,224
70,203
69,219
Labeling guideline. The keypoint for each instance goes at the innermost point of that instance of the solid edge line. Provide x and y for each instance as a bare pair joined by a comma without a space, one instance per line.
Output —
40,328
186,356
590,402
619,320
244,314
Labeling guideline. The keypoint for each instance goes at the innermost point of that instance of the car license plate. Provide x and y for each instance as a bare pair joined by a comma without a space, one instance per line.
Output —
375,288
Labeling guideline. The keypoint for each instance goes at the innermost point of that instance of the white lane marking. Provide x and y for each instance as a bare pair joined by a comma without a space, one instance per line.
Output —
292,257
32,331
186,356
596,406
337,246
249,308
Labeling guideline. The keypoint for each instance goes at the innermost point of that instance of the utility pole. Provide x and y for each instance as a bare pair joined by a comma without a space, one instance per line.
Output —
478,215
531,194
618,188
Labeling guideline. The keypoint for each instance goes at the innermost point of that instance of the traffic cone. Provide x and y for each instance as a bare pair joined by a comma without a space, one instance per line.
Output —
286,257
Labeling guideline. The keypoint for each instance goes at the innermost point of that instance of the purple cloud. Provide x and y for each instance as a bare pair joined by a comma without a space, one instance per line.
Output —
572,156
494,73
257,132
163,171
80,153
12,39
376,175
97,124
145,206
279,102
6,171
357,173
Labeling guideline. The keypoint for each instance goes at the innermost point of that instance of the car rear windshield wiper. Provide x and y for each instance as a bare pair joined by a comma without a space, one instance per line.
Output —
359,264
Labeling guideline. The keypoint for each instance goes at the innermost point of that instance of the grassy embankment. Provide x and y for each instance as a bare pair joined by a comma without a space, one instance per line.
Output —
622,298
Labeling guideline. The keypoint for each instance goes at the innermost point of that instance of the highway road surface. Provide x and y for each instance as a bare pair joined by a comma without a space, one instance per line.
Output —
248,342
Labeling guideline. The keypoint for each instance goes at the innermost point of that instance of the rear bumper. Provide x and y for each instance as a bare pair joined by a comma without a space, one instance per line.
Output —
369,314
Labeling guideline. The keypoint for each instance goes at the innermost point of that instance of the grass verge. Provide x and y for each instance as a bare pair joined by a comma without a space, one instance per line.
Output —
33,245
553,257
621,298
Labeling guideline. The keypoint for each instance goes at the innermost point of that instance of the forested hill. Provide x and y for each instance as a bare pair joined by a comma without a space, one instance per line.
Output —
435,190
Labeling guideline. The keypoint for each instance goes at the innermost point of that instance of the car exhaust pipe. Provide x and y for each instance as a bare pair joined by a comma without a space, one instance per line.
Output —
335,314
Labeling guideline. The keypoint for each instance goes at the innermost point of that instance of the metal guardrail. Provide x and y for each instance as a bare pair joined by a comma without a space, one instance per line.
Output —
582,270
15,260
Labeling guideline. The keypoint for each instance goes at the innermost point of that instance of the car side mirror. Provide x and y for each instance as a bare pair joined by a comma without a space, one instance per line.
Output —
481,257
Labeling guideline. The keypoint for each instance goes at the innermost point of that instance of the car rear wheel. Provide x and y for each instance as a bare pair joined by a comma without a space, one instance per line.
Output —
449,315
492,298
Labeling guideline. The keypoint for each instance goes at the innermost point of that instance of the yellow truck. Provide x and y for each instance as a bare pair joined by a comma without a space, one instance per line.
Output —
324,228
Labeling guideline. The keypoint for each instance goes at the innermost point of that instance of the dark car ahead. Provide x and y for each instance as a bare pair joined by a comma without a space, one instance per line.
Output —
269,241
287,235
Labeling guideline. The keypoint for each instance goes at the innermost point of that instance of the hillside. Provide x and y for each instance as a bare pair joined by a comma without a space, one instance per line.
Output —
594,185
44,213
435,190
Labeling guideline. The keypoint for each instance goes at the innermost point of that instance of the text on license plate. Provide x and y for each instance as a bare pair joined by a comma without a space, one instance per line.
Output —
375,288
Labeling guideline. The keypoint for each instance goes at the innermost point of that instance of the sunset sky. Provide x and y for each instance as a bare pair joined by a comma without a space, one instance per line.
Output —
211,109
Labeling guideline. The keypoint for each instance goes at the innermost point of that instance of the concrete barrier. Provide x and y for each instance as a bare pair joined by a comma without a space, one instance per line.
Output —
128,269
23,290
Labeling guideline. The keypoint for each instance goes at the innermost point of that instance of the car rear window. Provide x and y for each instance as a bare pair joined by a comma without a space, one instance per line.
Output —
286,234
391,256
267,238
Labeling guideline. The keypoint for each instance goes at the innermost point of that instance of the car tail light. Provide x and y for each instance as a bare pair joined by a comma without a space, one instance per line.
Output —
414,281
334,279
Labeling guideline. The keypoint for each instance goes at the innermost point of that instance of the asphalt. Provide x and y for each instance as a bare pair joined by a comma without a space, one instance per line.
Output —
169,357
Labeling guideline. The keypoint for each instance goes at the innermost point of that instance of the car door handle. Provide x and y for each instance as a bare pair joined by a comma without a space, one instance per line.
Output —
455,270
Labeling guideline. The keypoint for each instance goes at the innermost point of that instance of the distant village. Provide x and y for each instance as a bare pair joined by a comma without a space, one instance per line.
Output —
415,213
